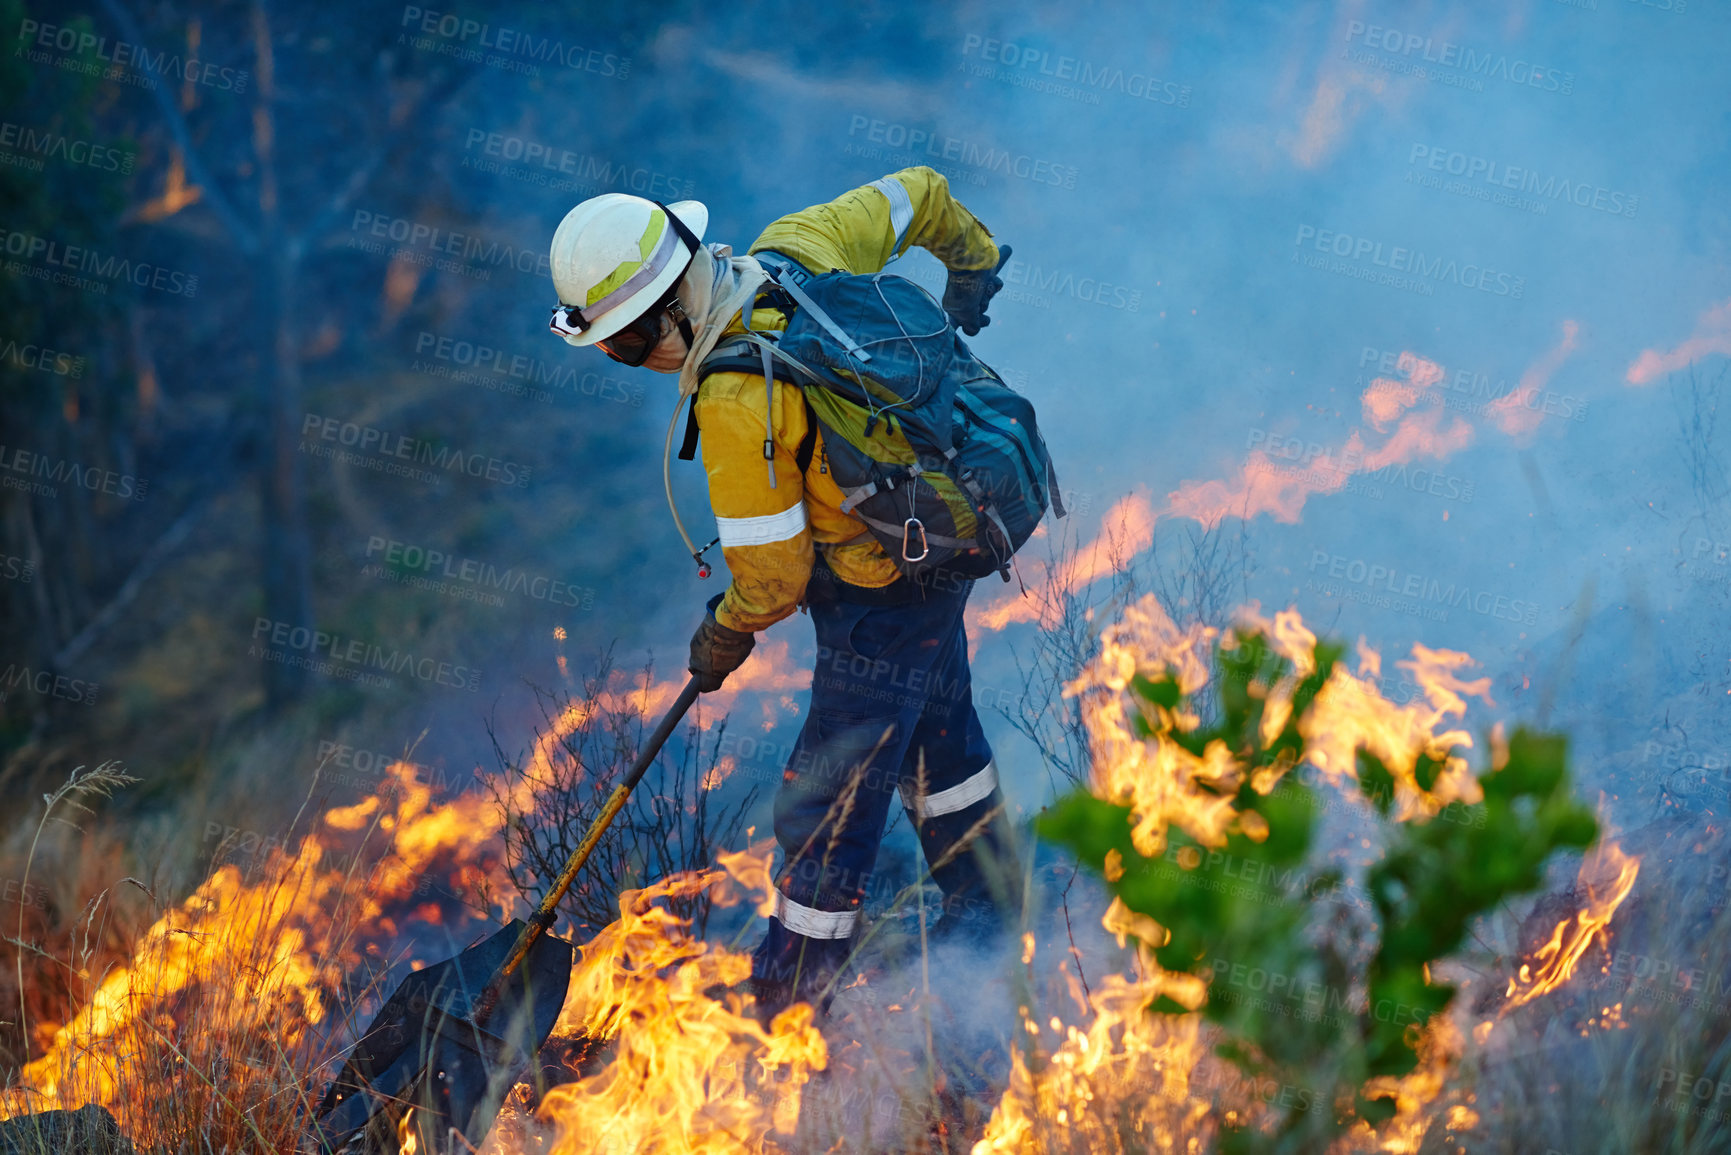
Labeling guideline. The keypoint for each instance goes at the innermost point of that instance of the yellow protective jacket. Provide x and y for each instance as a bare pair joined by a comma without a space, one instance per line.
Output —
767,534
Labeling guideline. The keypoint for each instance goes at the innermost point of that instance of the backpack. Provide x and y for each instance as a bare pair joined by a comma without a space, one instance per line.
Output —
940,459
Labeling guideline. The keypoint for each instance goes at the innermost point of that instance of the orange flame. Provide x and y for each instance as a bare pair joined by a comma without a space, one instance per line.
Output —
261,959
1266,484
1606,877
1126,530
408,1139
278,941
1165,784
1133,1069
1069,1095
1263,484
1514,412
688,1068
1351,714
690,1071
1712,335
720,772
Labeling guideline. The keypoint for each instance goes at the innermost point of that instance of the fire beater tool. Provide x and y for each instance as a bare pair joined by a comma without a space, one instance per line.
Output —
455,1037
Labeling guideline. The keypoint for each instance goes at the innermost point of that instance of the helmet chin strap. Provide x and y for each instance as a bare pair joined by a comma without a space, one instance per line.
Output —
676,307
676,310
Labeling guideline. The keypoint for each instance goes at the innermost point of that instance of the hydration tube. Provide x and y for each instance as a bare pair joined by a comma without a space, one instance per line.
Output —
703,567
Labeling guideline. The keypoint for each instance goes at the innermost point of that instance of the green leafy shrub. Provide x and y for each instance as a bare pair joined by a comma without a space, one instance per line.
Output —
1349,1025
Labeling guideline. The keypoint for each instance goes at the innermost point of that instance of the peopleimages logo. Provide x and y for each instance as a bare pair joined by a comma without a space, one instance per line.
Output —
465,39
82,259
929,143
1470,391
474,363
42,358
1034,280
1326,467
29,464
1400,259
1039,69
1477,170
541,162
48,684
465,247
121,54
440,568
1478,65
57,146
381,444
1390,582
352,658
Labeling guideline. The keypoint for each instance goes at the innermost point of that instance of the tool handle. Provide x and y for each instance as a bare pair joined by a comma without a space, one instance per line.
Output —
546,913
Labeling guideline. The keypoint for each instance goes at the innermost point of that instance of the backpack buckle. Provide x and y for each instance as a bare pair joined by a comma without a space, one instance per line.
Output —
909,527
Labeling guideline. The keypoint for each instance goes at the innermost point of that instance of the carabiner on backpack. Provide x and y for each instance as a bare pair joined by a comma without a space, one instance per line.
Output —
909,527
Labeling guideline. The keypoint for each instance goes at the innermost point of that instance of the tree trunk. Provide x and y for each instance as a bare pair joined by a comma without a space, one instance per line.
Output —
287,577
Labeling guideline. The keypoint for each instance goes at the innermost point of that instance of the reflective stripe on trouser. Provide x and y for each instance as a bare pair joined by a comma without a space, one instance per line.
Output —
814,923
981,882
958,797
891,685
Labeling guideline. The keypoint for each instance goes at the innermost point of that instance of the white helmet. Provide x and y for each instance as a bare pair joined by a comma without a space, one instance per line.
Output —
614,256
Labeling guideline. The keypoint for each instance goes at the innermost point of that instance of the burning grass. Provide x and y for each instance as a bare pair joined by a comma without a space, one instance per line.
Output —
1202,831
231,1007
218,1028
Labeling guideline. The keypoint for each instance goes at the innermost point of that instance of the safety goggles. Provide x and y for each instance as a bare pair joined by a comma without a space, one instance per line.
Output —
633,344
630,345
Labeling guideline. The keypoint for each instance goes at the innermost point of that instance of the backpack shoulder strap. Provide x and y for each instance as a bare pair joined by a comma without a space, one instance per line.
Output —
742,357
808,443
688,447
802,301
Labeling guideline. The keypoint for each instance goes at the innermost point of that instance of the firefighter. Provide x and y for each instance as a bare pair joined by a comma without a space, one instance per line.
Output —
892,710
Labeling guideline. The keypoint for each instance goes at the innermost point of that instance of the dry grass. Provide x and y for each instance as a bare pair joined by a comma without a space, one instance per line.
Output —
674,822
234,1059
214,1029
1598,1064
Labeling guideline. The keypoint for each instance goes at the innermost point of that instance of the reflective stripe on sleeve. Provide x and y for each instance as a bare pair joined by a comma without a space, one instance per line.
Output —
814,923
901,207
771,527
976,787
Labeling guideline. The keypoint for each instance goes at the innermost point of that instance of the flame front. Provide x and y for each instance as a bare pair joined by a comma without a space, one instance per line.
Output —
1405,419
1131,1072
1606,878
1075,1092
247,972
225,1020
691,1071
244,982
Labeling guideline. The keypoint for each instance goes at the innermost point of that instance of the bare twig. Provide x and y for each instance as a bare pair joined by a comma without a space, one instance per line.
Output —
153,558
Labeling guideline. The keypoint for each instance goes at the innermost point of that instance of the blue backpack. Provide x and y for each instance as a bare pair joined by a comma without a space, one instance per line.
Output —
942,461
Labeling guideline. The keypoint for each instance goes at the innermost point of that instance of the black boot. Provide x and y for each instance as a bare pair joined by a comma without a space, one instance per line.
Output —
982,881
788,968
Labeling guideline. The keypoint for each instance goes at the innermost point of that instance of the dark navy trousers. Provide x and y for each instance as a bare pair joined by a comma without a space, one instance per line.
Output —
891,687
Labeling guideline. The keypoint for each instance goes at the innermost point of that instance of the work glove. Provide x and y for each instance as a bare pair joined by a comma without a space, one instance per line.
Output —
967,293
717,651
